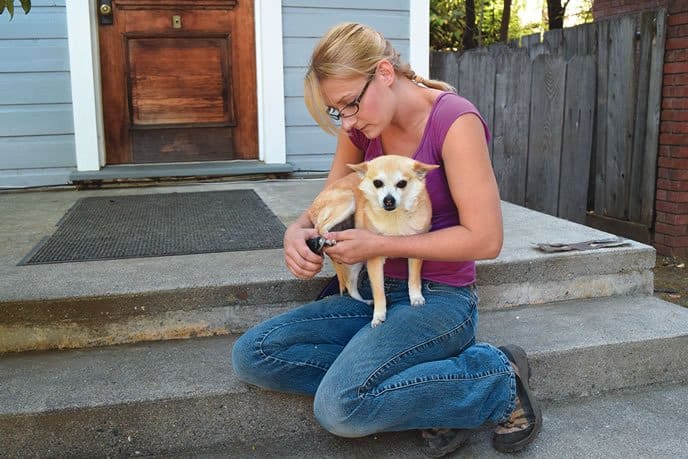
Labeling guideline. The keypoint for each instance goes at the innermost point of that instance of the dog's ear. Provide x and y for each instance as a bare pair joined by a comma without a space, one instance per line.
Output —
421,169
360,168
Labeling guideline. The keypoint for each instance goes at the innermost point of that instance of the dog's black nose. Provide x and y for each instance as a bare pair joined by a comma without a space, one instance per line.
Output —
389,203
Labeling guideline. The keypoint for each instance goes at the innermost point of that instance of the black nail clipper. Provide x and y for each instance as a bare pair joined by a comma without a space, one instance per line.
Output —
316,244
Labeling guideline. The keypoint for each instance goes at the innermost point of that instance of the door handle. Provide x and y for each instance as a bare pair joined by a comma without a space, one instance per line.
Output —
105,12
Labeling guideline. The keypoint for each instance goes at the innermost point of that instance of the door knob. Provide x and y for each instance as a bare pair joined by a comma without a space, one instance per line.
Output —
105,10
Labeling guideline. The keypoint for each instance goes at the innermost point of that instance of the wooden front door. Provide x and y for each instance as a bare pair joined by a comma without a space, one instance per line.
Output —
179,80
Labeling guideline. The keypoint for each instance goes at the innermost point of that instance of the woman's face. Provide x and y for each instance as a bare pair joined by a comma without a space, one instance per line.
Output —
344,94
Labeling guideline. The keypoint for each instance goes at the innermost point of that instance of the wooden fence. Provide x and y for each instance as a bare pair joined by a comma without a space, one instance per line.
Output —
574,115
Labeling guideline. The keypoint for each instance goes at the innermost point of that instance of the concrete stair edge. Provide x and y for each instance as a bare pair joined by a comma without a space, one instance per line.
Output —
95,319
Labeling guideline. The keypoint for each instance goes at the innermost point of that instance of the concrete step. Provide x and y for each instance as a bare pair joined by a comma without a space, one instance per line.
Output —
74,305
643,423
159,398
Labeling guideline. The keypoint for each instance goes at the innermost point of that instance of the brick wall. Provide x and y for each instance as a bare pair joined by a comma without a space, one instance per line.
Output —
671,200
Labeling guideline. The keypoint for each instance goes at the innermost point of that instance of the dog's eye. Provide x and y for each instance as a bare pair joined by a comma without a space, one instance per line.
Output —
401,184
378,183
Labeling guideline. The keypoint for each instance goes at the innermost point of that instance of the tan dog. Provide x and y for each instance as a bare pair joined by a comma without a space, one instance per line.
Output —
387,196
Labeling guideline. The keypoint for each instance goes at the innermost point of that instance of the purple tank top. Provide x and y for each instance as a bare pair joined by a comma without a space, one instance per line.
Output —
446,109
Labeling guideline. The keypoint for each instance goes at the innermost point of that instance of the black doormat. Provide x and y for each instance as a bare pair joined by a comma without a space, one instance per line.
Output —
155,225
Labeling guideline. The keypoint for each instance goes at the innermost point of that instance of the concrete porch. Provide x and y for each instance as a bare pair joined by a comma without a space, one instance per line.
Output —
125,384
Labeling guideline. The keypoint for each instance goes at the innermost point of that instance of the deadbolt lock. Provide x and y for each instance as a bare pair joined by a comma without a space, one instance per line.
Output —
105,9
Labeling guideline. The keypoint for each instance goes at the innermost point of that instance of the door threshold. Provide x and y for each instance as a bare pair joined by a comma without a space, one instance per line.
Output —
178,171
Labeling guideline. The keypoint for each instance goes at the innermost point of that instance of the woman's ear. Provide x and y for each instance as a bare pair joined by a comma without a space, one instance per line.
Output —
386,70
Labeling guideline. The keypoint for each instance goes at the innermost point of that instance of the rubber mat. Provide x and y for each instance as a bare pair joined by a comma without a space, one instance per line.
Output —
156,225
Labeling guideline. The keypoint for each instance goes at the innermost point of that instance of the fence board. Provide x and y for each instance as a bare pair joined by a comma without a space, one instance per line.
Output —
510,132
642,65
546,120
476,82
579,113
600,165
445,66
654,103
619,123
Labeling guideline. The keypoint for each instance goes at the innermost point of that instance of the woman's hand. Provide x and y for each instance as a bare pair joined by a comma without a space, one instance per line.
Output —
300,260
354,245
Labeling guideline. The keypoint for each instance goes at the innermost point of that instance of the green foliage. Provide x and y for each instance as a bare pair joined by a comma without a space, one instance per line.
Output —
448,22
9,5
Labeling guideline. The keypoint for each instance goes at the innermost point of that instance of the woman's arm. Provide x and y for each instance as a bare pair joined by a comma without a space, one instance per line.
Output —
303,263
474,190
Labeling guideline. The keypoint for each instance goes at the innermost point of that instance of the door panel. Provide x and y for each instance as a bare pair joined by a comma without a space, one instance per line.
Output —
168,73
179,81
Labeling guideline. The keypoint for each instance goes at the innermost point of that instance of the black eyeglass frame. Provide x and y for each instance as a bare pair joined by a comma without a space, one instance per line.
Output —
337,115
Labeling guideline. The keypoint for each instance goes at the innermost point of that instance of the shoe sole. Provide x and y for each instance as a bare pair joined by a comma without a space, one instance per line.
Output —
518,356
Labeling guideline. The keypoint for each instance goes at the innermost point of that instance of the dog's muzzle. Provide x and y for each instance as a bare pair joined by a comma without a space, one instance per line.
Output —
389,203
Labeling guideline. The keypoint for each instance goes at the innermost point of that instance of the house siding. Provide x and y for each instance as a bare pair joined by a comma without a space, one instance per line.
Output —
36,125
304,22
37,145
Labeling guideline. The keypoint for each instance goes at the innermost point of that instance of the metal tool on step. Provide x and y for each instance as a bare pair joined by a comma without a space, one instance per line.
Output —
584,245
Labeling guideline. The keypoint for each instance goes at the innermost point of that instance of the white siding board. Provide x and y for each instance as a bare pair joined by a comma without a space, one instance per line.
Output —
23,178
46,151
39,23
26,120
315,163
311,22
311,140
296,113
293,81
388,5
34,56
35,88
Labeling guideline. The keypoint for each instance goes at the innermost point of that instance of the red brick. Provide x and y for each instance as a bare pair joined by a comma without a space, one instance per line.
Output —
676,19
676,55
676,79
676,43
673,163
674,115
672,185
676,67
673,139
671,230
673,151
673,127
673,103
680,208
677,242
675,91
677,31
672,219
677,196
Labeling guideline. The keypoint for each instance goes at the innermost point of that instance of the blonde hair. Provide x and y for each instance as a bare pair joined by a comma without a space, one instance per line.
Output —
352,50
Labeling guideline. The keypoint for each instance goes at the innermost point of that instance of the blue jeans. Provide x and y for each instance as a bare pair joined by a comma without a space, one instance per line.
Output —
419,369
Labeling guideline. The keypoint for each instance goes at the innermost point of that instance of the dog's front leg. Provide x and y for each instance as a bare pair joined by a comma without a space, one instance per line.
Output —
377,283
414,282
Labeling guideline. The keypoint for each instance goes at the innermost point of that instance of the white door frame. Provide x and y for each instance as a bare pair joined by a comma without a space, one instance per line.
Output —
84,64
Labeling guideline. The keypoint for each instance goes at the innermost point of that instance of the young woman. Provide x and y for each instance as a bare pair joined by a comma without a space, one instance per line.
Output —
421,368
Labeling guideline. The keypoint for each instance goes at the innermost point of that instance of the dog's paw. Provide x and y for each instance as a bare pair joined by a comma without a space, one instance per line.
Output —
417,299
378,319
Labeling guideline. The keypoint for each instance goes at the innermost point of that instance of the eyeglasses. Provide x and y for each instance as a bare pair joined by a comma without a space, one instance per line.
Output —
349,109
